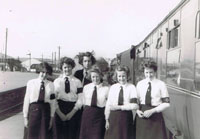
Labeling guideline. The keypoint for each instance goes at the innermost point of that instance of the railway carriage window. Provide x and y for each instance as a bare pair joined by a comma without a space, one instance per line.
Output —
197,69
173,38
173,67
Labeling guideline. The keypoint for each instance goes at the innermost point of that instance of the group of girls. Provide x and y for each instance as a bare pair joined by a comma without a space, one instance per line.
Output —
82,106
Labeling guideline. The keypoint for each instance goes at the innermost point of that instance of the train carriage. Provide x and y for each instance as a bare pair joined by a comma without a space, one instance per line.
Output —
174,44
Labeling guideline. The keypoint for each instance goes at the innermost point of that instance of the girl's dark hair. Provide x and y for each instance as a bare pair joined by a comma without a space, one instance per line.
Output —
45,67
87,54
67,61
121,68
151,65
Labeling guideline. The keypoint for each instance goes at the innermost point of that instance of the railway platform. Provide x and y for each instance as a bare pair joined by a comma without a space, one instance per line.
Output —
12,127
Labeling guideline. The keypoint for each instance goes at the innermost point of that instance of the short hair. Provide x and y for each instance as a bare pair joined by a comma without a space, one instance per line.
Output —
95,69
45,67
150,64
67,61
121,68
86,54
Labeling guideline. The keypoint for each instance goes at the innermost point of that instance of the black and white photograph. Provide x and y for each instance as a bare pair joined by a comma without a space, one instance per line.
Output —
99,69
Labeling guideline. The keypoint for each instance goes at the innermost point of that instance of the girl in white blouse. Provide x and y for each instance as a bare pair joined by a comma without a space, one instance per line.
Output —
67,88
94,101
153,98
39,105
122,99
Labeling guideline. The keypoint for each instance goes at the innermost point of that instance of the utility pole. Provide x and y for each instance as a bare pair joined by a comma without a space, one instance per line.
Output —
55,60
6,48
42,57
52,58
29,60
58,55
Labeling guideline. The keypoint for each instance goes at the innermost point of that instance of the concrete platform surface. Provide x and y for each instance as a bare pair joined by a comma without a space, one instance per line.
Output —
13,127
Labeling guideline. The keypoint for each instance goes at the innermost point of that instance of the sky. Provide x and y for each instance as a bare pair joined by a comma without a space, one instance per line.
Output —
106,27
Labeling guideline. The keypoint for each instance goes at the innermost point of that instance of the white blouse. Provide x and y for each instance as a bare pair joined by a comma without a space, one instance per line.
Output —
129,94
102,94
158,91
75,87
32,94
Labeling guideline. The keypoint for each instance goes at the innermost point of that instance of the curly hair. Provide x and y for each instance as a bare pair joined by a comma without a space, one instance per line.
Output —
67,61
150,64
86,54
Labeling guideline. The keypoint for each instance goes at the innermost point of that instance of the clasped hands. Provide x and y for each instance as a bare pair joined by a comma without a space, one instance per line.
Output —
66,117
146,114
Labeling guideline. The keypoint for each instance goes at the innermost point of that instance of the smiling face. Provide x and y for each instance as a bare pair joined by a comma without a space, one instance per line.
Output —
87,63
96,78
149,73
122,77
67,69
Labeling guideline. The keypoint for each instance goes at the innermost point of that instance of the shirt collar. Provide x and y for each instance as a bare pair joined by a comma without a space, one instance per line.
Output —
98,86
84,72
151,81
123,85
64,76
39,80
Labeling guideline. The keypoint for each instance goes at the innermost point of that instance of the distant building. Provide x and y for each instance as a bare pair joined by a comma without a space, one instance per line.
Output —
28,62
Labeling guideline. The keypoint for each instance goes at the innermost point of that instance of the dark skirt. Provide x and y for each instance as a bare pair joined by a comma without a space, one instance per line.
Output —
151,128
78,120
121,125
66,129
92,123
38,121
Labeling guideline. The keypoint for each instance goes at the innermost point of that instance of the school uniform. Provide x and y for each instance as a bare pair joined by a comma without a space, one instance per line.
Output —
93,119
82,76
39,108
66,100
152,94
121,121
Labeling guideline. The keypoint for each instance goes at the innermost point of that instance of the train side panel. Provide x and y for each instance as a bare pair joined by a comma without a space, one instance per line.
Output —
173,44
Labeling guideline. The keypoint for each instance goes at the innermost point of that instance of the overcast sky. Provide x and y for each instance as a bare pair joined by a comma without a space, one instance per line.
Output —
106,26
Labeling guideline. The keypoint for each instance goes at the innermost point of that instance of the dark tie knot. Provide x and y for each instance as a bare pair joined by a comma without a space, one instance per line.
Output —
86,73
42,85
149,83
66,79
121,88
95,88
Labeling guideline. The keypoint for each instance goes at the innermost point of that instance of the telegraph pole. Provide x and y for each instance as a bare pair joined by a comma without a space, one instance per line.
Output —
42,58
6,48
29,60
52,58
55,61
58,55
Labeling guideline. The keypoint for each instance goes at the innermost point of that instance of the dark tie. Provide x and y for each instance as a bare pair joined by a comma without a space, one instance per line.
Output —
121,96
148,95
42,92
94,97
67,85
